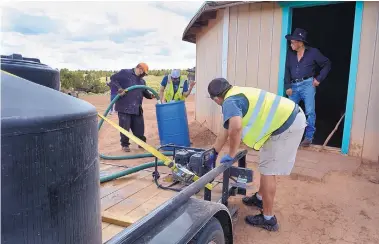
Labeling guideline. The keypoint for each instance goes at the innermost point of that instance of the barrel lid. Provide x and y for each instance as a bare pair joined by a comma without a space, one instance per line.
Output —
27,107
18,59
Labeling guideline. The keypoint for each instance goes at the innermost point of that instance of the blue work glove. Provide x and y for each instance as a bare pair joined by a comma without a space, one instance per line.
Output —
226,158
212,160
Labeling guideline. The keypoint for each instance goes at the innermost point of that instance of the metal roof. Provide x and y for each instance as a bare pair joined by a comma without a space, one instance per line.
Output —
206,12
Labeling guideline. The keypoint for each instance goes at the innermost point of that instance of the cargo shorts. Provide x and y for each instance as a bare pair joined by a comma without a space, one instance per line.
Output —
278,154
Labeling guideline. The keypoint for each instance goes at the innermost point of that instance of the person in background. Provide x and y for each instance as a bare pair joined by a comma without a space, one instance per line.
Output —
266,122
174,87
129,106
301,79
113,94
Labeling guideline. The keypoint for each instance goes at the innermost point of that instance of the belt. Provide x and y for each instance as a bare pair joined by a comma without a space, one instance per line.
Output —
300,79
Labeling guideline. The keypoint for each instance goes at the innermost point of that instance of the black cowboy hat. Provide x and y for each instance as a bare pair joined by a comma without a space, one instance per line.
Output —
298,35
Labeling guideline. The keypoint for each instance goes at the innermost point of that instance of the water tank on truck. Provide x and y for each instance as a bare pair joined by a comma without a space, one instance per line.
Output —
49,162
31,69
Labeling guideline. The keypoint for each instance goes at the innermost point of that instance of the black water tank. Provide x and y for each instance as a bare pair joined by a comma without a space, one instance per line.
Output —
31,69
49,166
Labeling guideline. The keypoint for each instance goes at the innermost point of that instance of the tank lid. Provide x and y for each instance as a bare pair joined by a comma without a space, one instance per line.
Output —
27,107
19,59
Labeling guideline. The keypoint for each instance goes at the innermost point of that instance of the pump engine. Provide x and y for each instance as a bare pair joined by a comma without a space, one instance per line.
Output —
197,162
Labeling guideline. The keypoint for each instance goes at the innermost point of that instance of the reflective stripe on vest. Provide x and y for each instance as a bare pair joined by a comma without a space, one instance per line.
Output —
169,91
266,113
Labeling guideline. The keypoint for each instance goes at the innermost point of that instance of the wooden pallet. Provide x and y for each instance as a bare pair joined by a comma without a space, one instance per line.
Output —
126,200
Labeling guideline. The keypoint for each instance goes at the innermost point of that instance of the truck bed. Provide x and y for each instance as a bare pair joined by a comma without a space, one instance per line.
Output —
125,200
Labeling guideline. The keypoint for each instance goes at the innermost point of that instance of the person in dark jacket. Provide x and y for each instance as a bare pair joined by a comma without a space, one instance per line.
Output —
113,94
129,106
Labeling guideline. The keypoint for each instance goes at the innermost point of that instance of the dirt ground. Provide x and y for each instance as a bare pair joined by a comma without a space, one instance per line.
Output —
343,208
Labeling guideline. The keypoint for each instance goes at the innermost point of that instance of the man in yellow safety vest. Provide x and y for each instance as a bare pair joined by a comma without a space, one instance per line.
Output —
174,87
266,122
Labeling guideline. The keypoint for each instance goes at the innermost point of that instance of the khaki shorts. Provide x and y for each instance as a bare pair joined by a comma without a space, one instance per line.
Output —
278,154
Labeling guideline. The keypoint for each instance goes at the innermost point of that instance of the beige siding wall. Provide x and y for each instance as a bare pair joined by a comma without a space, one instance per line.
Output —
208,66
253,62
254,45
365,130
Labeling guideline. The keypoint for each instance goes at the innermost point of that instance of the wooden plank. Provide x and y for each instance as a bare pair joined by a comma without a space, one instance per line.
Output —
241,49
104,225
150,205
110,170
125,192
275,50
370,146
114,185
232,45
116,219
364,76
110,231
104,167
265,44
131,203
253,44
216,110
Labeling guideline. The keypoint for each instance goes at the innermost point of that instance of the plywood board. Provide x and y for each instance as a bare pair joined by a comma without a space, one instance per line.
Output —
112,186
110,231
123,193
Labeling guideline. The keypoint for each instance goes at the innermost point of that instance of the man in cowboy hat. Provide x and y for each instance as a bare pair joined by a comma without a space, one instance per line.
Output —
129,107
301,78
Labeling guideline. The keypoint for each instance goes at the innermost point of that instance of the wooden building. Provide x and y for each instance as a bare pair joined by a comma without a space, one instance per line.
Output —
244,42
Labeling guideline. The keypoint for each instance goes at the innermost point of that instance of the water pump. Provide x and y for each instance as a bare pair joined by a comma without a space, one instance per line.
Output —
193,161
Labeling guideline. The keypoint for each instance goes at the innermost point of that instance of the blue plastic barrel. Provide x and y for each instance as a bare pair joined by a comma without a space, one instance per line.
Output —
173,124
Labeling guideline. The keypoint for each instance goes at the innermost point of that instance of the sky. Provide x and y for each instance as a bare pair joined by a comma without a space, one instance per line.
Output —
100,35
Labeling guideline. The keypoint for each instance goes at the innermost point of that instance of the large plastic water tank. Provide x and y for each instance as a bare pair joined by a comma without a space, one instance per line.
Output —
49,166
31,69
173,124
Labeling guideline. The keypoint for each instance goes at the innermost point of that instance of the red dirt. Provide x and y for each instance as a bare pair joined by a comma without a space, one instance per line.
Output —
343,208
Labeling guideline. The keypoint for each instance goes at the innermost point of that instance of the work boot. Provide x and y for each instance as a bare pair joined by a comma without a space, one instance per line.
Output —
253,200
126,149
260,221
306,142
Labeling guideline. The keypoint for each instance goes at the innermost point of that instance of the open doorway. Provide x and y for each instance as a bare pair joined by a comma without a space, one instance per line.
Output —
330,29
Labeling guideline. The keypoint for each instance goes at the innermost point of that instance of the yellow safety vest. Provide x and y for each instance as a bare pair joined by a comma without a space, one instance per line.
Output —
169,90
266,113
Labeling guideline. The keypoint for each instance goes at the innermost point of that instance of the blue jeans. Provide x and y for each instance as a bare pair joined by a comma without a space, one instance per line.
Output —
306,91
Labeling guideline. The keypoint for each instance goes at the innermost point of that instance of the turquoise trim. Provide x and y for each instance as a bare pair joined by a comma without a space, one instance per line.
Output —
302,4
352,77
286,28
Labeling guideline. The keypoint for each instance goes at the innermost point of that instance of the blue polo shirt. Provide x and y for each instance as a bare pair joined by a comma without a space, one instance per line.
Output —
176,84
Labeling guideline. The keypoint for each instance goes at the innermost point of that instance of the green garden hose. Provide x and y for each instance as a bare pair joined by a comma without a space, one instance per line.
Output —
129,171
135,156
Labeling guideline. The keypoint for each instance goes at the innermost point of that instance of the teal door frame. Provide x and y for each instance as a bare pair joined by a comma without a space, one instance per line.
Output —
287,8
